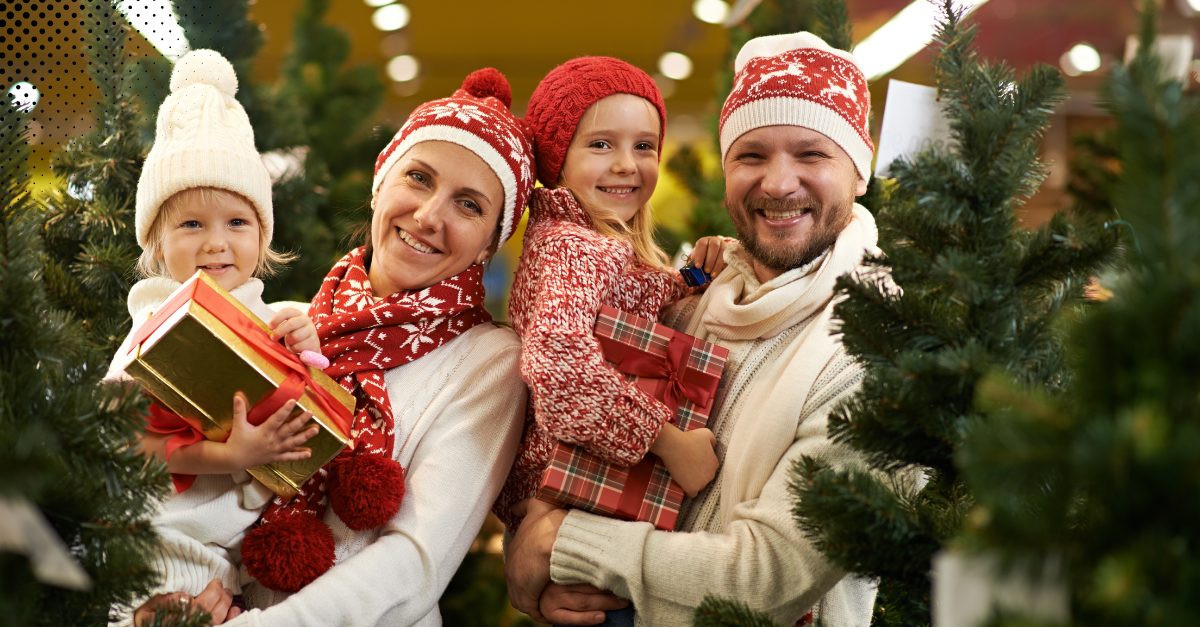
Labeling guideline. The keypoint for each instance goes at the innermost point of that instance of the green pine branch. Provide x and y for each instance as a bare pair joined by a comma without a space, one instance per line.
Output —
66,445
714,612
1103,473
88,216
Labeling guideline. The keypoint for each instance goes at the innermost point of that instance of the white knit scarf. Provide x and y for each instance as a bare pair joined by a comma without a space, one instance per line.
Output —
737,307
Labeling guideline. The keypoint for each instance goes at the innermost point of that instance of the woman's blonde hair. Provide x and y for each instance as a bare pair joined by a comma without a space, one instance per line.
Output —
152,264
639,231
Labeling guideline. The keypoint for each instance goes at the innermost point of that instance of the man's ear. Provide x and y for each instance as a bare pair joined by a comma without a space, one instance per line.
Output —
861,188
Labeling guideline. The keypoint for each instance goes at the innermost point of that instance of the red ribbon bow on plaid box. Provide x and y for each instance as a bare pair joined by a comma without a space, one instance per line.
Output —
676,368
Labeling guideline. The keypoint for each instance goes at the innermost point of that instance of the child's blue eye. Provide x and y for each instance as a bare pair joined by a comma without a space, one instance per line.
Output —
190,224
238,222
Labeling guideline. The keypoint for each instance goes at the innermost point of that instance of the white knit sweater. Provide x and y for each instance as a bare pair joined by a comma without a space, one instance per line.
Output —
737,539
202,527
459,412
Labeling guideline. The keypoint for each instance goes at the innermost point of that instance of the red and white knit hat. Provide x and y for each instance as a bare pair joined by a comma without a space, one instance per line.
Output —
476,117
799,80
565,94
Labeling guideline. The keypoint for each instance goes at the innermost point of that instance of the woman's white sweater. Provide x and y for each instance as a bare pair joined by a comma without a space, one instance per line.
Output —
459,412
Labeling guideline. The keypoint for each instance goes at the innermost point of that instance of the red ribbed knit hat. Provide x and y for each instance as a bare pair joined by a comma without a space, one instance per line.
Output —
476,117
561,99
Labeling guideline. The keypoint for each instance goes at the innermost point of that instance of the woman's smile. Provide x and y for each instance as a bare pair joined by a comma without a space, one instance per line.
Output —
417,243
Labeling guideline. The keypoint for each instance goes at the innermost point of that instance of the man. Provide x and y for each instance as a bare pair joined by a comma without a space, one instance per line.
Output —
796,152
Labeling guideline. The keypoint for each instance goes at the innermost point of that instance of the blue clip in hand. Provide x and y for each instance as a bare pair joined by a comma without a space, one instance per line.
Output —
693,276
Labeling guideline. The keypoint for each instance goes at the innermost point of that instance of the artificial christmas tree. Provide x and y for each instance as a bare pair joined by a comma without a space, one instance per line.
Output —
960,290
64,441
1103,476
88,215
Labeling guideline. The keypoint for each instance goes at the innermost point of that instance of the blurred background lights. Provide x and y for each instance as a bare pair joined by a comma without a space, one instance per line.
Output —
403,68
902,37
1080,60
1192,5
24,96
390,17
377,3
675,65
715,11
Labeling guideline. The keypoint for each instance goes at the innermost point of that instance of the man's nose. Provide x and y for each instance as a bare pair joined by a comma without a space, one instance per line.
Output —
781,179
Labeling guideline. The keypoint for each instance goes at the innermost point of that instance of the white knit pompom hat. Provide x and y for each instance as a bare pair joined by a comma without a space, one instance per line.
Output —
203,139
799,80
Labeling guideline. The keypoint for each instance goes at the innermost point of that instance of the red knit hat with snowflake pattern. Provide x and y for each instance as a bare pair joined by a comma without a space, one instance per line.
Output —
476,117
561,99
799,80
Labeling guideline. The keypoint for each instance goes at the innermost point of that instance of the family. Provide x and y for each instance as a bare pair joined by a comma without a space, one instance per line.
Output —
455,416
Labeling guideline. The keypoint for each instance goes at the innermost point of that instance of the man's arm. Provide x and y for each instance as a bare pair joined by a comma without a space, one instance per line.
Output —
761,558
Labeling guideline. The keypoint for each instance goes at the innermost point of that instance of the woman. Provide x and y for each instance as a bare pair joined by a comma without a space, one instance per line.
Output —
438,390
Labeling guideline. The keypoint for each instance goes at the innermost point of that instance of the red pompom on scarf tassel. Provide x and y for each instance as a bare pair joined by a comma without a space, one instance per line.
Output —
289,553
365,491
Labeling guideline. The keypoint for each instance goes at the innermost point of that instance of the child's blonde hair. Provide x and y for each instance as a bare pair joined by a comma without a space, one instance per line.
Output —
639,231
152,263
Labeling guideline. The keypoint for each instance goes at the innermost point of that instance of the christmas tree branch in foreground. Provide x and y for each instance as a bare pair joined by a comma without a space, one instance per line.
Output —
64,441
1104,476
960,291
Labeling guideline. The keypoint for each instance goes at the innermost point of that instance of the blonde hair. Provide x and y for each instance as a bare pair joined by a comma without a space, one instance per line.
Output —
639,231
152,264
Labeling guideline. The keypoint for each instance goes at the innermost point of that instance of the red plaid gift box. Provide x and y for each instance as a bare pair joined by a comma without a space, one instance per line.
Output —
676,368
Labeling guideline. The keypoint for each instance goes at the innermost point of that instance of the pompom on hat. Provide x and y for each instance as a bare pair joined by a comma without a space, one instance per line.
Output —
476,117
799,80
202,139
563,96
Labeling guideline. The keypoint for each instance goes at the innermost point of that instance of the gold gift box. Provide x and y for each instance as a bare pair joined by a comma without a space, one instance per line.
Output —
193,363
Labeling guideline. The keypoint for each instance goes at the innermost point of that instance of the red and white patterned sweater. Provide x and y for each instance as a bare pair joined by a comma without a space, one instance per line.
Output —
567,272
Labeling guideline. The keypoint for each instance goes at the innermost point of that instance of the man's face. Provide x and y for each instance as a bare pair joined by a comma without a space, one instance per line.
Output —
789,191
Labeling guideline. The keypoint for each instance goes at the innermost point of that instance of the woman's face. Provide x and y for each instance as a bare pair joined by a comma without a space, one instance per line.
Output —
436,213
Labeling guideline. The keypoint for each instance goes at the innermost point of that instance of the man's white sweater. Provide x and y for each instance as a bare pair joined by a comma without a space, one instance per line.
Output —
738,539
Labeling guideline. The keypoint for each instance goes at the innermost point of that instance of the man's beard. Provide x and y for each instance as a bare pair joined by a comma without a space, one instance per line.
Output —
828,222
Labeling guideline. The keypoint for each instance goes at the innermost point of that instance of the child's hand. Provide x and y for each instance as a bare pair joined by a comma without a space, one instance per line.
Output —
709,254
277,439
689,456
297,329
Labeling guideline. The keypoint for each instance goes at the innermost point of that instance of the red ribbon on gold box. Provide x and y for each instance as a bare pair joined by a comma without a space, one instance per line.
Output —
202,345
681,371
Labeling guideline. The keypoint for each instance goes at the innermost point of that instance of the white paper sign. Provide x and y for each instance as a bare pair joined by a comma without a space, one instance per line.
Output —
968,588
913,120
24,530
1175,50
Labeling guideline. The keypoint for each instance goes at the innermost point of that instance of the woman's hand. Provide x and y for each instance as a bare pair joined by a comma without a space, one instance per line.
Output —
277,439
689,456
297,329
709,253
215,600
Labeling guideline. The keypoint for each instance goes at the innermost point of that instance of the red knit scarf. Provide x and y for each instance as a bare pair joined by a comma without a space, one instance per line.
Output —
362,338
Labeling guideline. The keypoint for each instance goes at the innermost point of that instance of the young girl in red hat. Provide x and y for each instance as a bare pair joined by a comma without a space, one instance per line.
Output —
598,126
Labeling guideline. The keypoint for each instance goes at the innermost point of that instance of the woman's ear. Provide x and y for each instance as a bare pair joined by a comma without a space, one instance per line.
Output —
490,251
